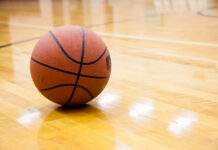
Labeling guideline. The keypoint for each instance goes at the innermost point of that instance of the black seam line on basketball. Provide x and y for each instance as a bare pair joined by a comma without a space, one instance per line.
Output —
80,66
89,63
68,72
61,85
65,53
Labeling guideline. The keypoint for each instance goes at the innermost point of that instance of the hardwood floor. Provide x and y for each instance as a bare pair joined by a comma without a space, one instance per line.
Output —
163,90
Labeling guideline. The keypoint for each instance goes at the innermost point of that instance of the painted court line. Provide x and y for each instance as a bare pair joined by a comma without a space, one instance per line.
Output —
126,36
156,39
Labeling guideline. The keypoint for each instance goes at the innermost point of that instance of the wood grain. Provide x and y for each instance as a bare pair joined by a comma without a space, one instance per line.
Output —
163,90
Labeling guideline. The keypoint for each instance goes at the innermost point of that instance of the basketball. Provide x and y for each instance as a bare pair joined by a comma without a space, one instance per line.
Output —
70,65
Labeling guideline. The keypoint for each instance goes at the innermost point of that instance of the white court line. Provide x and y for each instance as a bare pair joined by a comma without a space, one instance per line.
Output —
170,54
123,35
156,39
177,58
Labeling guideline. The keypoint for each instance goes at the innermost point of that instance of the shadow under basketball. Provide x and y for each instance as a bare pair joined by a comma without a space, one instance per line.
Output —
79,127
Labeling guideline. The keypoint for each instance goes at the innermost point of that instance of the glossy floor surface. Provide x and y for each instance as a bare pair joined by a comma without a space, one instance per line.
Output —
163,91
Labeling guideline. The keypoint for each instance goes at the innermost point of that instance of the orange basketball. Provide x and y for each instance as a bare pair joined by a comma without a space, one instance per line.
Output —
70,65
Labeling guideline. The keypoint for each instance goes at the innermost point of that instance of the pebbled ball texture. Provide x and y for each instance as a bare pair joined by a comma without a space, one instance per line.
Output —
70,65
